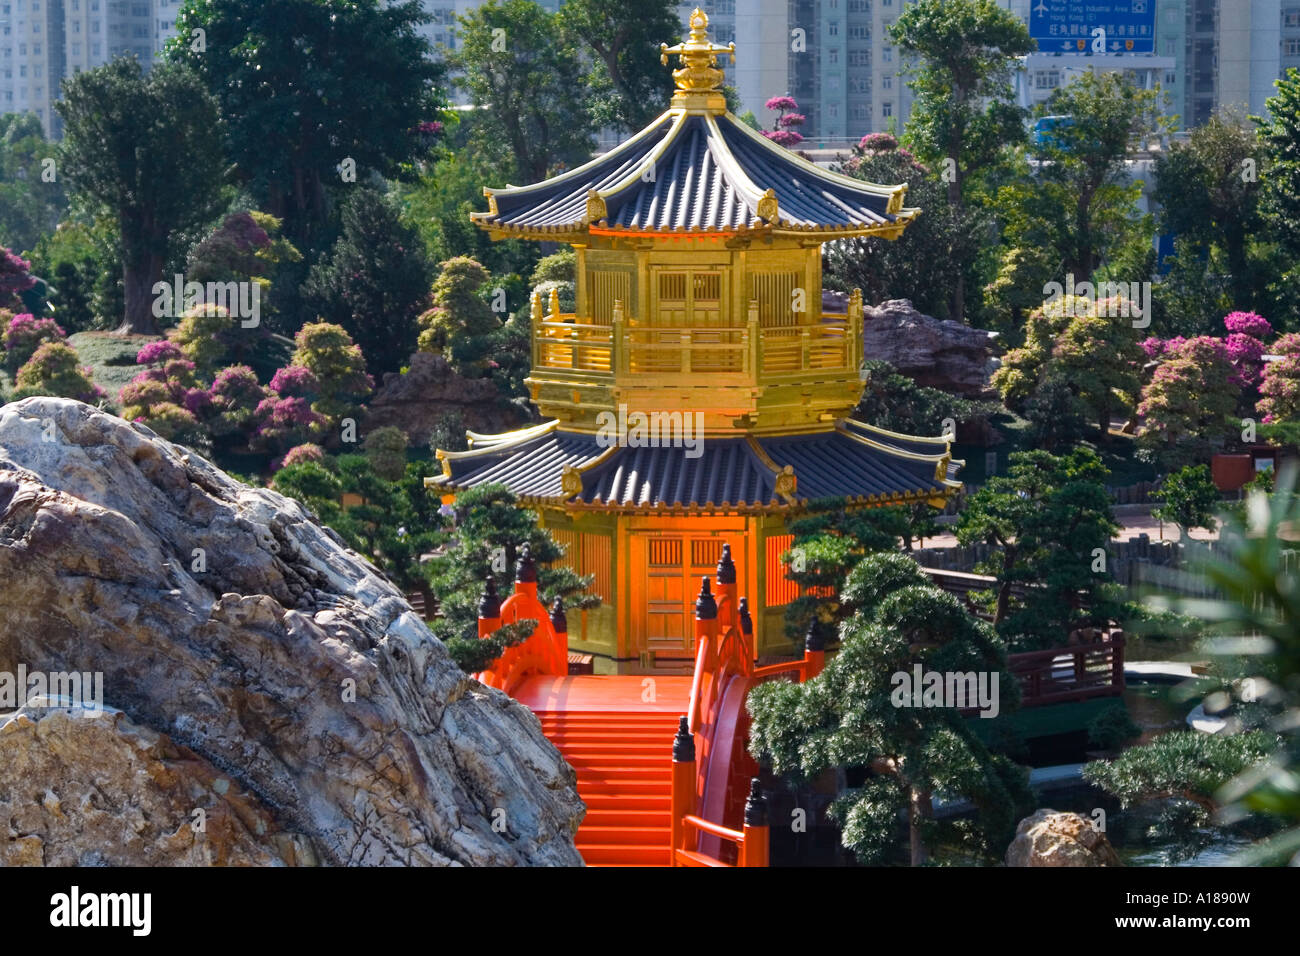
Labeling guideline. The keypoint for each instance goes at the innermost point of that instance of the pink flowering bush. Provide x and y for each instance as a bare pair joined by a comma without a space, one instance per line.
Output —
783,137
233,400
781,133
1188,408
15,277
878,143
156,353
295,381
25,335
55,369
300,454
1248,323
1280,386
285,422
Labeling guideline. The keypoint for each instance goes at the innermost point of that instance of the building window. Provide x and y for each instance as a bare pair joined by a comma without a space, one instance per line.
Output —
887,81
833,55
887,54
860,112
833,28
1293,46
1291,18
886,109
859,58
860,32
1047,80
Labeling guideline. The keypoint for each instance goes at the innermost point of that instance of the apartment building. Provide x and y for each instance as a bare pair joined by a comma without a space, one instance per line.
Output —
44,41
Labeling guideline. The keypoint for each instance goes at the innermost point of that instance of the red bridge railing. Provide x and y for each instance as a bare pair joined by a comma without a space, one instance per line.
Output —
546,651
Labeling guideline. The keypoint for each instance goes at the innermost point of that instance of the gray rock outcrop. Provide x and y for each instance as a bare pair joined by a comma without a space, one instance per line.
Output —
431,389
245,643
937,353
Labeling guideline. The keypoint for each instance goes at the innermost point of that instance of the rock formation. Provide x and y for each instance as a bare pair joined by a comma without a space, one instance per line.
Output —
430,389
1049,838
265,674
937,353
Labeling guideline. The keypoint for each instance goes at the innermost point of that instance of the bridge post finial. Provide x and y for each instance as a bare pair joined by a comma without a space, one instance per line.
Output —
706,608
756,849
489,608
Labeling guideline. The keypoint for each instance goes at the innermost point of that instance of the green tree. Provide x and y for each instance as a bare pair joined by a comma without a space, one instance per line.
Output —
1099,358
385,450
1082,174
1278,133
32,199
147,148
921,267
1047,518
246,247
964,115
1208,190
305,86
522,76
629,86
489,530
1188,498
853,716
374,281
830,539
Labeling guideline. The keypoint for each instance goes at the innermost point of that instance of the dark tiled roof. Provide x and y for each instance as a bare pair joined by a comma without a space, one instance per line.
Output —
853,462
695,172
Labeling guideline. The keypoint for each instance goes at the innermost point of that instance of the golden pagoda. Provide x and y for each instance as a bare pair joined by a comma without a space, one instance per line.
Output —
699,394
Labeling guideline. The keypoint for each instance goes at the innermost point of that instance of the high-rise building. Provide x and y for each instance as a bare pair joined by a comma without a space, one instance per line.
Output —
44,41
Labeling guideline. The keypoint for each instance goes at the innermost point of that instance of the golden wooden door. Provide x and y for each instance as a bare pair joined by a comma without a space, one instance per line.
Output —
673,566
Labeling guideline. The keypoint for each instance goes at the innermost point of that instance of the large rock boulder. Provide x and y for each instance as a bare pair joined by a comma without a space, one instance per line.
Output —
264,673
431,389
1049,838
937,353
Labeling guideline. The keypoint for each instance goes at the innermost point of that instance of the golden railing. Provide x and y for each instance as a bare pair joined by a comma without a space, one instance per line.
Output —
830,342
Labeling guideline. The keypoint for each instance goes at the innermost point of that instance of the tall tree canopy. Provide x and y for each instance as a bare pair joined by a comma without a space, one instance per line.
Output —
147,148
964,114
305,85
32,199
629,85
1208,190
523,76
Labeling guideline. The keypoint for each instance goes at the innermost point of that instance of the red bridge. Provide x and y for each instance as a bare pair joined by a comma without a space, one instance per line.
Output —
661,761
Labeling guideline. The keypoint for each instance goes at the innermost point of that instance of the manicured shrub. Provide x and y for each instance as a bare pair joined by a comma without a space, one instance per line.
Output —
303,453
234,400
328,352
55,369
1188,406
1280,385
201,336
385,448
24,335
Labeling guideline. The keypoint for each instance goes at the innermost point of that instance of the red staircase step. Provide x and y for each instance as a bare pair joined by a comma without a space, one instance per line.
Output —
624,853
623,760
657,837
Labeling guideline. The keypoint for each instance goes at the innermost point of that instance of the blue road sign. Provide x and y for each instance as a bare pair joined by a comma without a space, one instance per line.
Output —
1069,26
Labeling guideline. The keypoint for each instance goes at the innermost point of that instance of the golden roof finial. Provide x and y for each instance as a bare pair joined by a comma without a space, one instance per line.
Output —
699,58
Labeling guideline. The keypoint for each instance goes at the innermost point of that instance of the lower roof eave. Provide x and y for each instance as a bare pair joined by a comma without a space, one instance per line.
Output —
794,506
